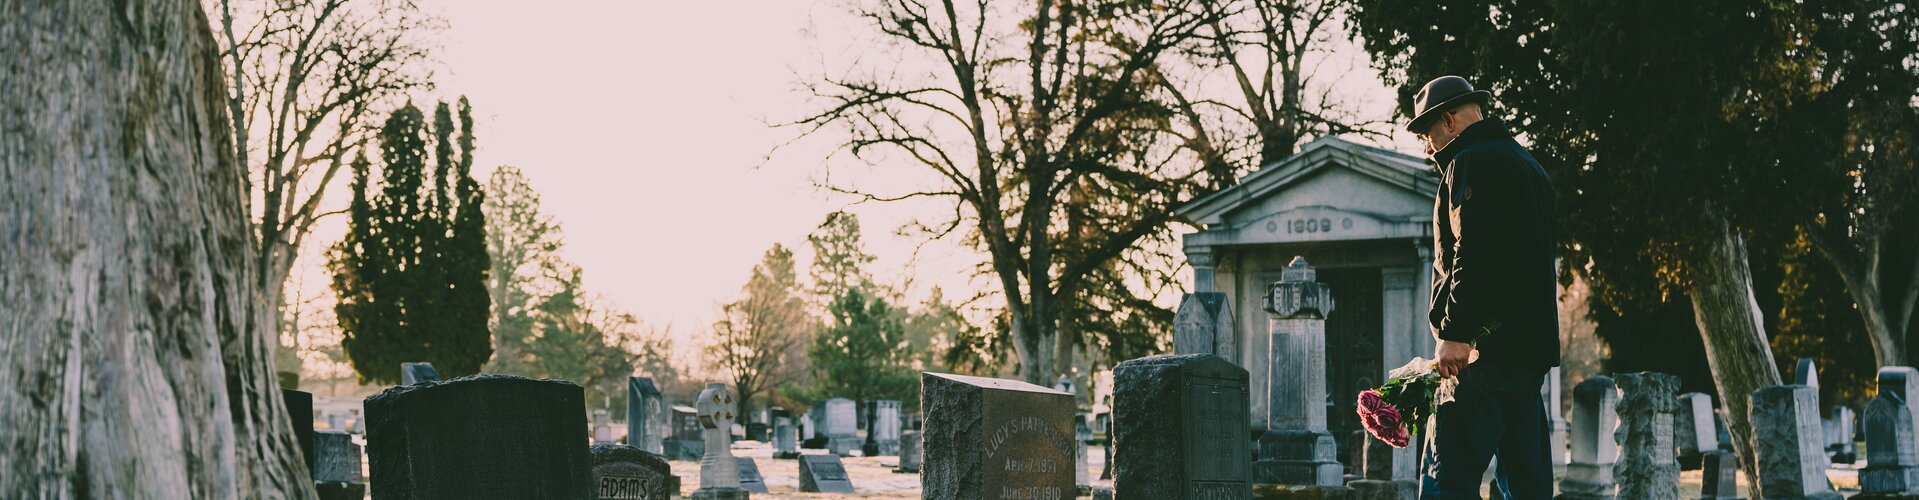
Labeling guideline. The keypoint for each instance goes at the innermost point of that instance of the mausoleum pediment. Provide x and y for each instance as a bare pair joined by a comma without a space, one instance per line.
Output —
1333,189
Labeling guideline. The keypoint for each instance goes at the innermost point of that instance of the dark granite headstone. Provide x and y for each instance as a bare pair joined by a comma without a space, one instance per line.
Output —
909,452
336,467
645,415
995,438
824,474
299,405
1172,416
750,479
623,472
484,436
1892,446
686,441
1718,476
414,373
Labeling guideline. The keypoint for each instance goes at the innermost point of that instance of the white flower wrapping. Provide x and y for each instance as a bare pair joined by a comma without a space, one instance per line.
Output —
1428,369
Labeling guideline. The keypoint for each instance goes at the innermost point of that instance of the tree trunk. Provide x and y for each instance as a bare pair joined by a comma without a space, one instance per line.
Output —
132,334
1735,338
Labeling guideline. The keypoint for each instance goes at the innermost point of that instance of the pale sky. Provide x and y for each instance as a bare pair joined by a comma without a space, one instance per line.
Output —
643,126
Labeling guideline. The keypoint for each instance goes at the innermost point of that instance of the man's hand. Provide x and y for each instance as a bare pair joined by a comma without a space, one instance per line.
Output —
1452,357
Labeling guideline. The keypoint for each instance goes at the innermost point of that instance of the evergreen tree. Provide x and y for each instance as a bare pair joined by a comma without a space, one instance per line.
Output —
865,354
411,271
839,262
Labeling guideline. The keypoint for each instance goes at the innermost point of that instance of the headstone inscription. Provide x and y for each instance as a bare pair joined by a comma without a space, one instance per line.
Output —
624,472
995,438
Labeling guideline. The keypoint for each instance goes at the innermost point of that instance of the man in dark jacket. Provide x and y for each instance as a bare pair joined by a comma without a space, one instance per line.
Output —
1494,292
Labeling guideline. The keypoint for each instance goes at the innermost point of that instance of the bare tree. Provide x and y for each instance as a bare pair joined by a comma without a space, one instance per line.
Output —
1028,102
137,352
308,80
757,334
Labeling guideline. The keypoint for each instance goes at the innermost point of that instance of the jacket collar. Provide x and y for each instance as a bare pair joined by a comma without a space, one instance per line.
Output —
1484,130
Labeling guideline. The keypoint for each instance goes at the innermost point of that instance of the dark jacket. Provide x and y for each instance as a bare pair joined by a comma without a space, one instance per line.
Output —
1493,278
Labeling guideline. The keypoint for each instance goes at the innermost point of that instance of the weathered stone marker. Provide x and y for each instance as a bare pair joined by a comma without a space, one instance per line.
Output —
484,436
1550,395
824,474
414,373
719,472
687,440
646,422
624,472
885,428
1297,450
995,438
750,478
1719,475
1789,443
1839,429
786,439
1203,324
336,467
1892,444
1594,450
1693,430
1172,417
299,405
1806,373
909,452
838,421
1648,467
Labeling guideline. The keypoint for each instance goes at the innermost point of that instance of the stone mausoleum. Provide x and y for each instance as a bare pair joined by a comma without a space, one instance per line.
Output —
1361,215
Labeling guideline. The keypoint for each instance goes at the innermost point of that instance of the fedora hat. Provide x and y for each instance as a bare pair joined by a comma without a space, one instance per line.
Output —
1440,95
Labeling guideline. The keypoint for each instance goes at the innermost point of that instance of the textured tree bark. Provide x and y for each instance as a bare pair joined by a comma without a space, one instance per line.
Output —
133,356
1731,323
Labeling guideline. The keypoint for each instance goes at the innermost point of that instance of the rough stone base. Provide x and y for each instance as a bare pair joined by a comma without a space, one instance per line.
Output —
1296,492
720,494
1373,489
341,491
1886,496
1296,472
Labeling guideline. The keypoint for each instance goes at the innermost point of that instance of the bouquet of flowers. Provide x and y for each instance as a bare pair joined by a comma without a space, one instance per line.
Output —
1392,412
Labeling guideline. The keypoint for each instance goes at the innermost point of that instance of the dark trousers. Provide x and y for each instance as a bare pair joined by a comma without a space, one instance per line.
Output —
1496,411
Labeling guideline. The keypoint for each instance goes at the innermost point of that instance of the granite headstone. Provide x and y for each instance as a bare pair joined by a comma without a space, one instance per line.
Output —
1595,419
646,415
909,452
483,436
1693,429
299,405
1296,449
1789,443
750,478
1648,467
336,469
995,438
824,474
414,373
1171,417
624,472
1892,444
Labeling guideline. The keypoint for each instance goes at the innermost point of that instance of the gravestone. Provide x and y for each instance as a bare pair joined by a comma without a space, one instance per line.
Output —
1892,444
336,422
483,436
602,426
299,405
886,427
1648,468
807,430
687,440
1550,395
750,479
1806,373
1082,434
1839,443
995,438
336,466
786,442
840,425
719,472
824,474
909,452
1789,443
1296,449
1172,416
1719,429
646,413
1203,324
1594,451
624,472
415,373
1718,475
1693,430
